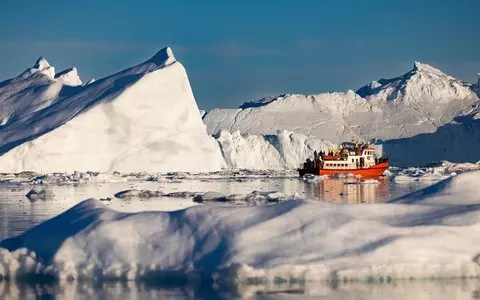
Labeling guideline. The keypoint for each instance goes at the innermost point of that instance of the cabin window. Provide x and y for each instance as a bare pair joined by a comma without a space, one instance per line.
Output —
353,160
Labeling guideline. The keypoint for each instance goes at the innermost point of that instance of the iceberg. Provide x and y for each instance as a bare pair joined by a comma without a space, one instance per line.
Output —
424,110
143,118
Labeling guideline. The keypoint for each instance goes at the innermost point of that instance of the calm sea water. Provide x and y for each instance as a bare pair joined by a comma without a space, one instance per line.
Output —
18,214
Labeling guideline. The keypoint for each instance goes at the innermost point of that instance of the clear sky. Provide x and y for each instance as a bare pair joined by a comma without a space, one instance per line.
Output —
237,51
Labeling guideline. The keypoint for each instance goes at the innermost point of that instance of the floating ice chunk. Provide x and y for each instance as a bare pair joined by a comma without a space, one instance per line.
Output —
134,193
210,196
183,194
39,194
370,181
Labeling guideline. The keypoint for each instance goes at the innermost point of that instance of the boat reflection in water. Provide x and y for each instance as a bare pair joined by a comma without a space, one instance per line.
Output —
352,189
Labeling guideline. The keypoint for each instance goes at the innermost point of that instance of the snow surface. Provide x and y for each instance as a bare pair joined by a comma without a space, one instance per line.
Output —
283,150
306,240
143,118
423,101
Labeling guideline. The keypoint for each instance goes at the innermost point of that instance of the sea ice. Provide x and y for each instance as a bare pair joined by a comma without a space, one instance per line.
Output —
428,235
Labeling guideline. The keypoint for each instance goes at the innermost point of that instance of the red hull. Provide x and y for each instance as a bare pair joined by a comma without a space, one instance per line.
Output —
376,170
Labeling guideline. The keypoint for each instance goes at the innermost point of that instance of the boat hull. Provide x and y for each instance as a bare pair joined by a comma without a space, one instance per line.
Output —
373,171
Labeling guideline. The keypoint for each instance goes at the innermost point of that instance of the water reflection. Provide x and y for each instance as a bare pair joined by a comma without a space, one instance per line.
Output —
356,190
419,290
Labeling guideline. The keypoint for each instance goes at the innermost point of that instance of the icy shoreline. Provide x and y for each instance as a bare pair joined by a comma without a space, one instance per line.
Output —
428,236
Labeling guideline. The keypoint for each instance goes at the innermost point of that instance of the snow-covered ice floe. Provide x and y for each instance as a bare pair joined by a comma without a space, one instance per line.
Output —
64,178
292,240
432,173
253,198
134,193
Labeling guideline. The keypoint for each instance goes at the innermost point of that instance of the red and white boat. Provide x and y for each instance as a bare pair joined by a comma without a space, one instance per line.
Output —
350,158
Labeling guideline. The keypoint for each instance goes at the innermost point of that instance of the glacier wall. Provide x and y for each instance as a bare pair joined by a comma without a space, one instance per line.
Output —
283,150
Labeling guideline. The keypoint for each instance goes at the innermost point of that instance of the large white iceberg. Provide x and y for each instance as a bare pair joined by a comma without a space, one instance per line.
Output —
142,118
422,116
307,240
420,101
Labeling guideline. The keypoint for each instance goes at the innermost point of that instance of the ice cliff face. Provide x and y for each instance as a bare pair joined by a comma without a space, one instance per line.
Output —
144,118
418,102
283,150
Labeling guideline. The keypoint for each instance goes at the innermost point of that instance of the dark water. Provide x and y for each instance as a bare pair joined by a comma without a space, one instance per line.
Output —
18,214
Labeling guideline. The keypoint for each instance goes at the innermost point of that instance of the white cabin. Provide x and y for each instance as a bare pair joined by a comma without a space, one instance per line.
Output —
351,160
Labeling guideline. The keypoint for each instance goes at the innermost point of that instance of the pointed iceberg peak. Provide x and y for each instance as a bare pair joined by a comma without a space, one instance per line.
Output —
164,57
41,64
69,77
424,68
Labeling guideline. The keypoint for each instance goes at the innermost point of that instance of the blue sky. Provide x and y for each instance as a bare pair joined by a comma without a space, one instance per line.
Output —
237,51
